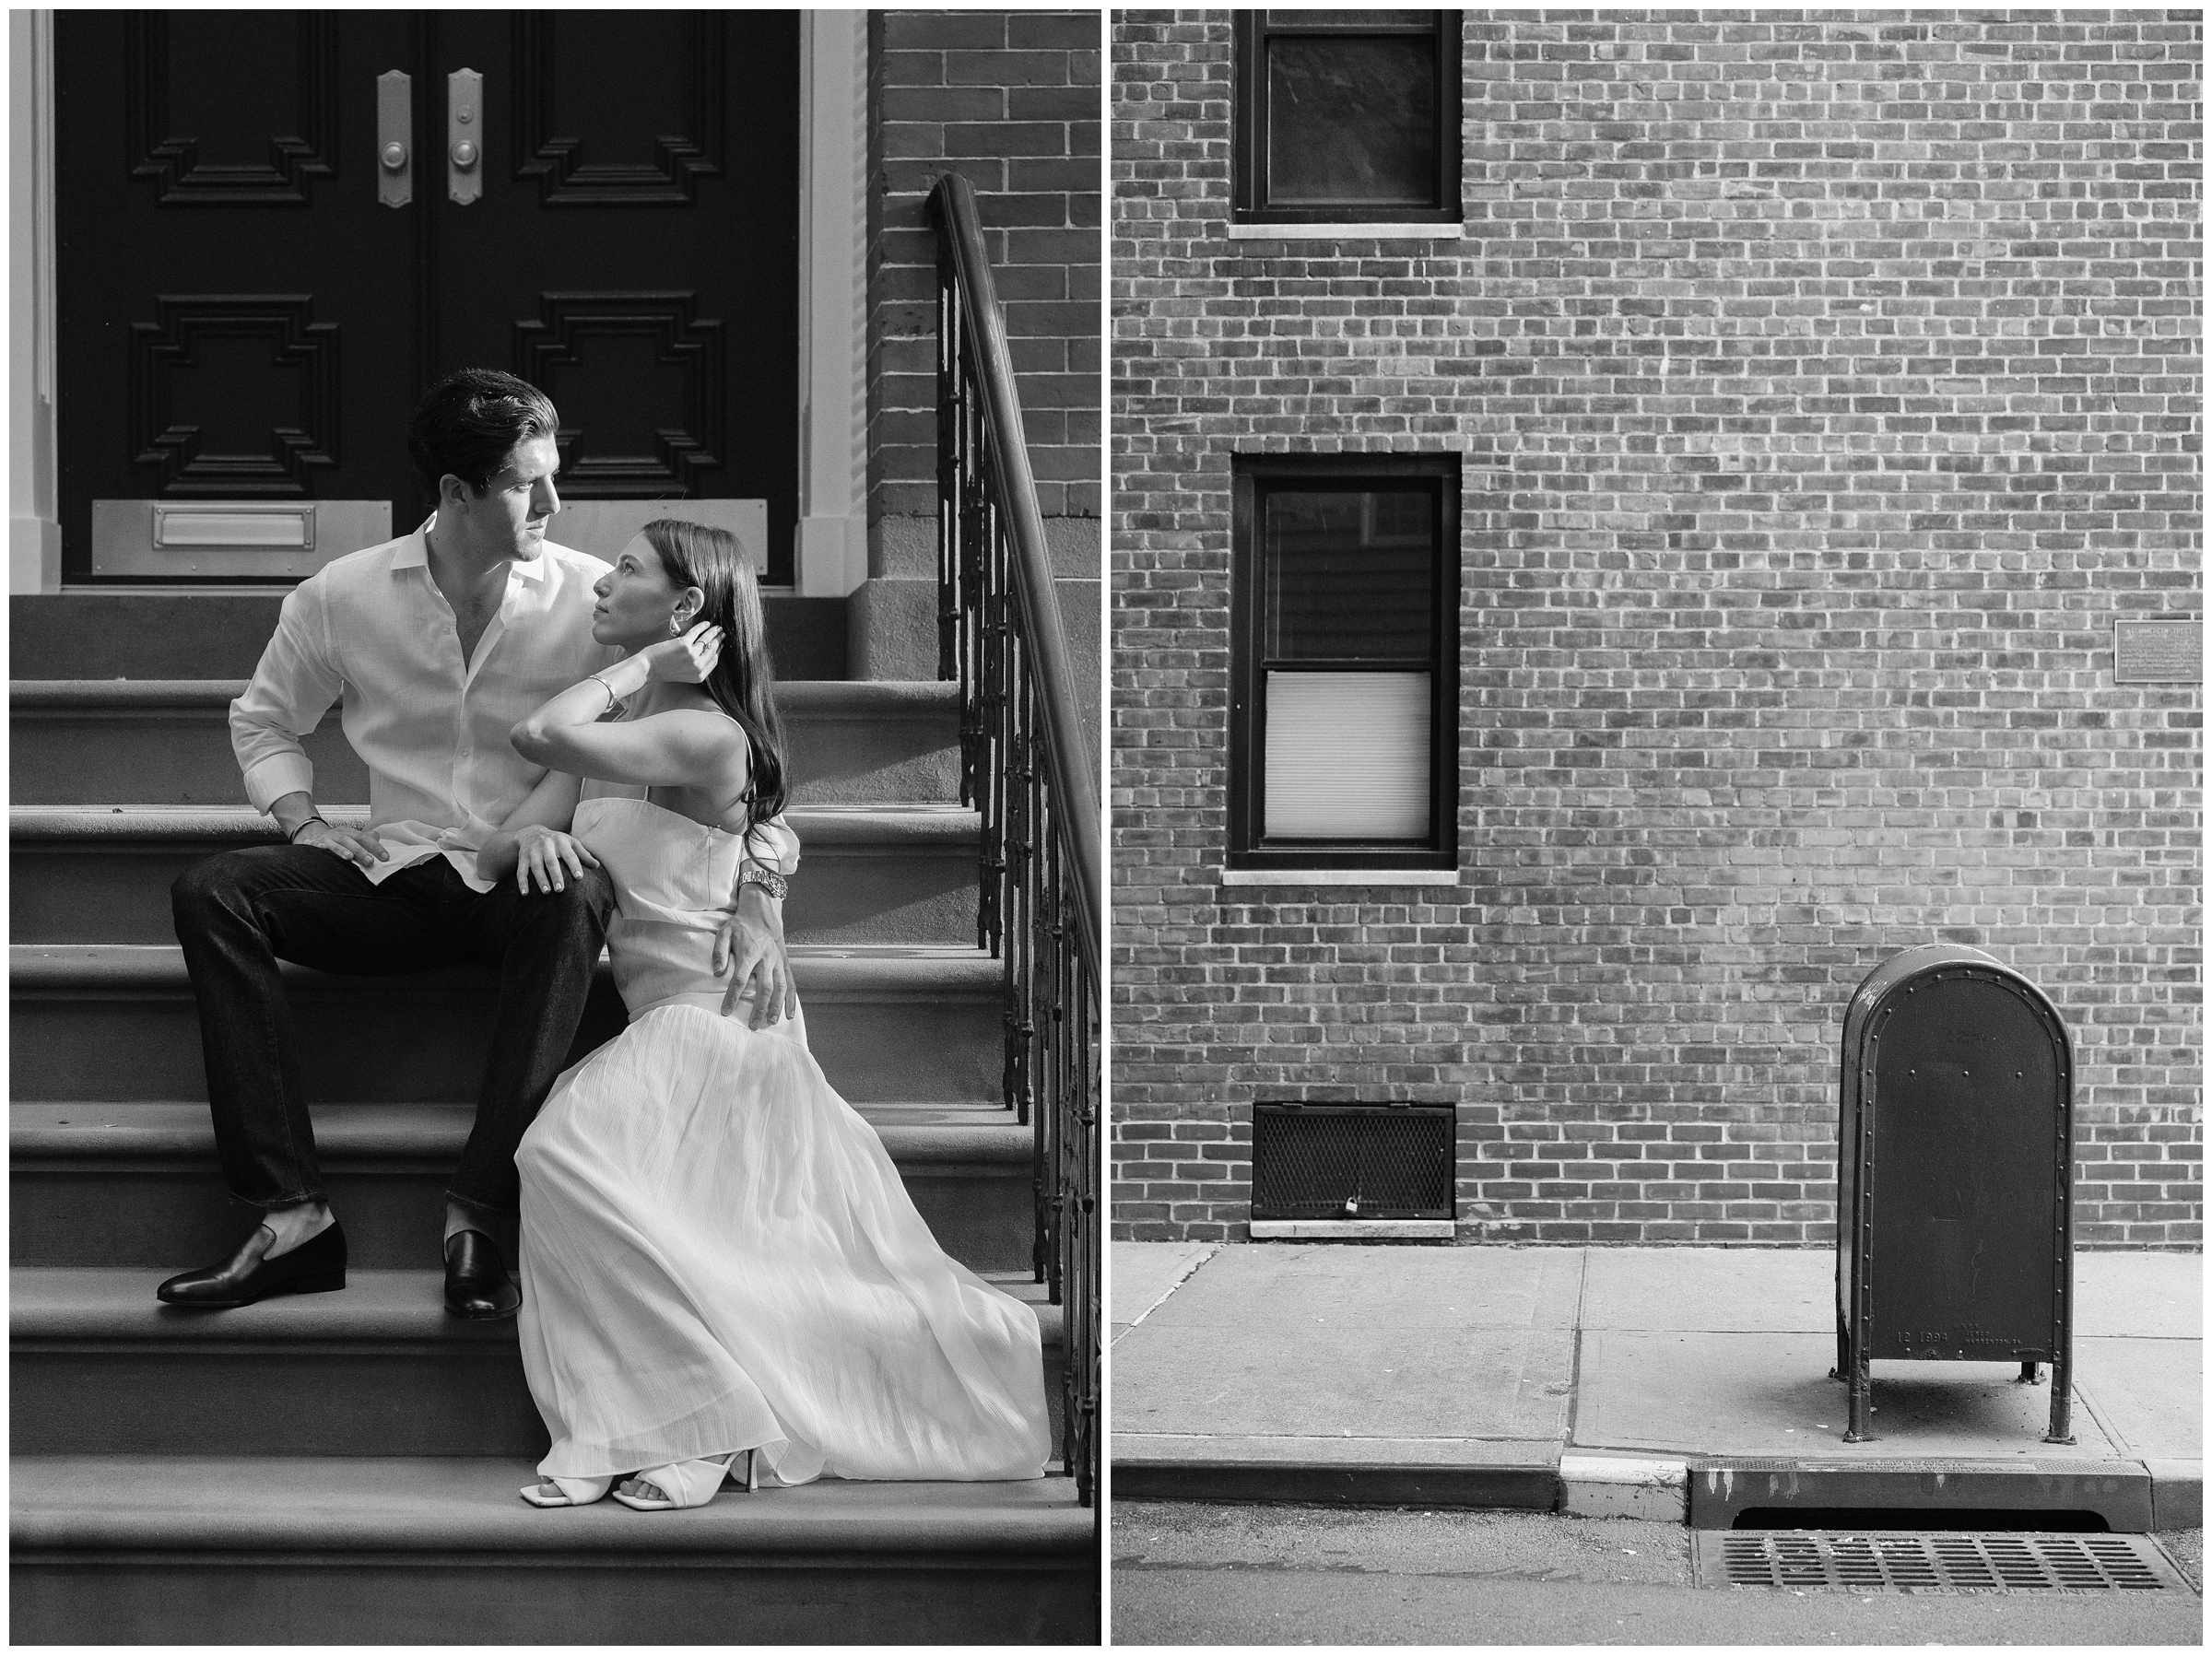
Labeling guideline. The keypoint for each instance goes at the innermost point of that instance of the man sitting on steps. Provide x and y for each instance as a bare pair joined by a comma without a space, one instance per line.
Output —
439,641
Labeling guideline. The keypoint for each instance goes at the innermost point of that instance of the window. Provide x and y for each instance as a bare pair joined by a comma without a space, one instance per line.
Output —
1347,117
1344,645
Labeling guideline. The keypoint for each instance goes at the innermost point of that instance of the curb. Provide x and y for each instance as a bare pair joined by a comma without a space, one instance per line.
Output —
1650,1490
2177,1494
1530,1487
2132,1497
1722,1490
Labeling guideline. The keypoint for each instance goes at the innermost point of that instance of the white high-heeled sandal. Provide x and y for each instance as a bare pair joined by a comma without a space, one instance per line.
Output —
574,1491
689,1483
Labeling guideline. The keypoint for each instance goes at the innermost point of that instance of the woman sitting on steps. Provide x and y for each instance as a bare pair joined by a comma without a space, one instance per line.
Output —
718,1256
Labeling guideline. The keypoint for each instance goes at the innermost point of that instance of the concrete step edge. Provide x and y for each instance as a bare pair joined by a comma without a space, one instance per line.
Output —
870,700
74,1504
826,972
49,1306
896,827
434,1133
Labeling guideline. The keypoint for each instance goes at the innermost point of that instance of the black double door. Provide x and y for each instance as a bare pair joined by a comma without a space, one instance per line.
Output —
240,316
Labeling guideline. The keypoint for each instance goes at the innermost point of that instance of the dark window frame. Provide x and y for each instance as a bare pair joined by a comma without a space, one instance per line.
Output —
1253,477
1252,31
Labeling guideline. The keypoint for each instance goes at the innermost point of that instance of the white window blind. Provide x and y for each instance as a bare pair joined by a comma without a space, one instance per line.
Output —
1348,756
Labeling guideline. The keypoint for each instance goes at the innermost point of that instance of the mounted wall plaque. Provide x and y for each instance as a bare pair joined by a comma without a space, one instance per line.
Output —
189,540
2159,652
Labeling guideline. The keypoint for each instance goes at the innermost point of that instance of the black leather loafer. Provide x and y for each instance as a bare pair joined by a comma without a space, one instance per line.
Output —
475,1278
316,1265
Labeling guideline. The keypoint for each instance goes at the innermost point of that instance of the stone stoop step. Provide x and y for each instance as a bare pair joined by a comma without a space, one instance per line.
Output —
440,1550
967,1165
342,1467
99,1365
167,741
118,1022
881,874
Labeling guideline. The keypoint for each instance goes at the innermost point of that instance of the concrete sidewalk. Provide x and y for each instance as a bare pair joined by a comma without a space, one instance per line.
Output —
1629,1381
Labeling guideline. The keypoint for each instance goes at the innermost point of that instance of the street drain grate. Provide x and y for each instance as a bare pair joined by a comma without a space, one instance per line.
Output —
1868,1561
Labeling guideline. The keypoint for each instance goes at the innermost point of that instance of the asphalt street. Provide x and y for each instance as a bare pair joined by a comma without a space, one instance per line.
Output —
1214,1574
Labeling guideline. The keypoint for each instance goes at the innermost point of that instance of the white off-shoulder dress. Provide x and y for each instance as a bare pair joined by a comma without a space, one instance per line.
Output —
717,1252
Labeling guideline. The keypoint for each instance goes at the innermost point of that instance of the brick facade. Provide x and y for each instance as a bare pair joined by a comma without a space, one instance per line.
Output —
1826,385
1010,101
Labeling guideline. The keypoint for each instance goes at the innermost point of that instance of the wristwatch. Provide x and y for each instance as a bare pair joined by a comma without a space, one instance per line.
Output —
774,883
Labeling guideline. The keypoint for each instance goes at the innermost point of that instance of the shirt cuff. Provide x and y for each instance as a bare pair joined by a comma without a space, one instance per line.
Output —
268,779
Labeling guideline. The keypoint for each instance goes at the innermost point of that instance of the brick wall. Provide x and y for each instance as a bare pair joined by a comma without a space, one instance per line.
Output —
1826,385
1010,101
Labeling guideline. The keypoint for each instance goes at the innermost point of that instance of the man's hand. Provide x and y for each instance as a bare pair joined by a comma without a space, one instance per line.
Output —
749,945
357,845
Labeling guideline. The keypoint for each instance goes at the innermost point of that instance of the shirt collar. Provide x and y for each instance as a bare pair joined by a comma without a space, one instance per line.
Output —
415,553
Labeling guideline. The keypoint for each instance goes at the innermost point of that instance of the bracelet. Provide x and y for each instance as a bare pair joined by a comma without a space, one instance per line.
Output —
612,699
293,837
774,883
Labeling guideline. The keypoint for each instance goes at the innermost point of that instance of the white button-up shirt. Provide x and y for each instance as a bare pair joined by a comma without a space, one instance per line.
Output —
431,727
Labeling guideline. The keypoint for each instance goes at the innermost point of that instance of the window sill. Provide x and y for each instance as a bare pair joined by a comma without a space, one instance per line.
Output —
1340,876
1346,232
1353,1230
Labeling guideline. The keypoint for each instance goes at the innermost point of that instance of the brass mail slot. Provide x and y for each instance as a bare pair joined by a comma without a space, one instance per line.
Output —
197,526
185,540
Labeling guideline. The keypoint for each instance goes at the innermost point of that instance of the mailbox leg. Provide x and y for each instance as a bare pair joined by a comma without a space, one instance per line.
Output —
2061,1399
2029,1375
1862,1400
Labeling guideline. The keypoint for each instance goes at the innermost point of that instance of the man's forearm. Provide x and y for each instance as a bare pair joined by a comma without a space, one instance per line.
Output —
293,810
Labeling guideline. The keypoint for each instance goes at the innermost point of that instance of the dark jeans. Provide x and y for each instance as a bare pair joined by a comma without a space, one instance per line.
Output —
238,913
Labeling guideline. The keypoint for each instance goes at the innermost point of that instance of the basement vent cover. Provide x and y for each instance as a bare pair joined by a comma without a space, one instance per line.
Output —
1866,1561
1352,1160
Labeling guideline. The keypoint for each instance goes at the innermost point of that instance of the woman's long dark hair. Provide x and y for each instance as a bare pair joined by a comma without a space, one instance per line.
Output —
744,681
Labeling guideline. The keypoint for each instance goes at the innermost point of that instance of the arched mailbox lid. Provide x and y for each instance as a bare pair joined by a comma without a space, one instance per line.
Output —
1954,1160
1902,970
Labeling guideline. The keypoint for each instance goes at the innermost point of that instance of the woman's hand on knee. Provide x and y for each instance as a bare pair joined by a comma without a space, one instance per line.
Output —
549,857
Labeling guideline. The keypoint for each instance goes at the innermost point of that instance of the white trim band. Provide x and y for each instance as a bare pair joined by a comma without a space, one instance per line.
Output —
1353,1230
1340,876
1347,232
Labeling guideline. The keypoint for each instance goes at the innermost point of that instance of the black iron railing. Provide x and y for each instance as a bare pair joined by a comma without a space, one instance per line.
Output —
1025,767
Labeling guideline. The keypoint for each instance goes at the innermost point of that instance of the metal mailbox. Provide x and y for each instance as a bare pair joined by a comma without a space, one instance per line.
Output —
1954,1173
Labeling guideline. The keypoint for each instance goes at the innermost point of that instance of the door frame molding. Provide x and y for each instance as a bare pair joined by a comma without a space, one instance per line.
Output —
830,559
832,556
34,529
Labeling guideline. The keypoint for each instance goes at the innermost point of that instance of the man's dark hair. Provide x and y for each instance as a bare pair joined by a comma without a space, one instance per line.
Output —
468,422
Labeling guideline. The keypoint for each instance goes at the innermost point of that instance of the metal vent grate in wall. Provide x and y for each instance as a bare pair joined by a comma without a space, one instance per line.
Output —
1934,1562
1352,1160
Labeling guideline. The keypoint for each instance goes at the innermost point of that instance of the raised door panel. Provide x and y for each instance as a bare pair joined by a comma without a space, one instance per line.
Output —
635,250
237,315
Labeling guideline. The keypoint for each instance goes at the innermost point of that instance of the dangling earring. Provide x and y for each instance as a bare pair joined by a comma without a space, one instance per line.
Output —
675,627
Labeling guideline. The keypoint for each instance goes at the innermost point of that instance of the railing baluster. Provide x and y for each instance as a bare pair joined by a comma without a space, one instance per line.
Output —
1026,770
